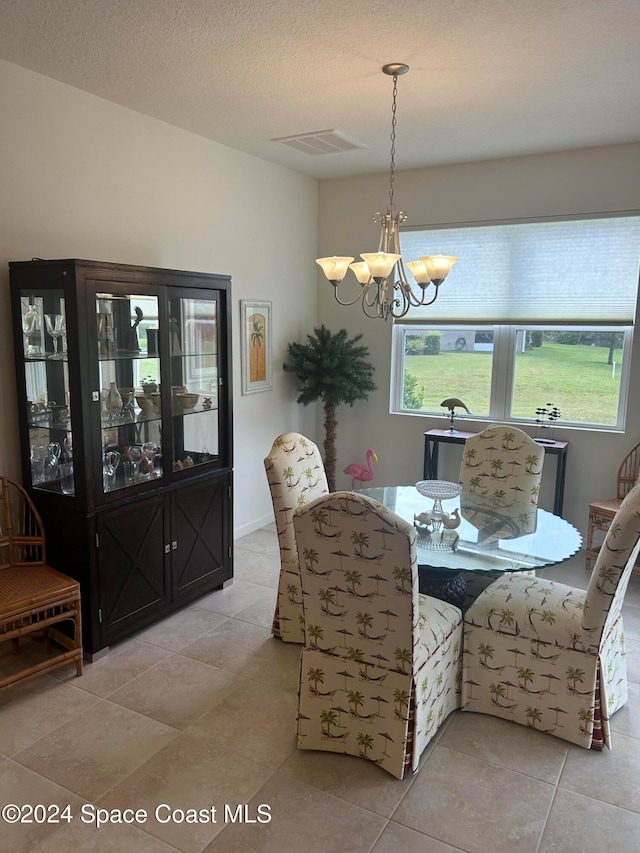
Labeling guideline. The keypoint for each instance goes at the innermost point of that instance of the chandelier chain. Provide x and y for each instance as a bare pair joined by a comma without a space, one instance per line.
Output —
393,144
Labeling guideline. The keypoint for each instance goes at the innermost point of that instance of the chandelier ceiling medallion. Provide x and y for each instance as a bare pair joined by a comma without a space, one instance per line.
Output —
385,289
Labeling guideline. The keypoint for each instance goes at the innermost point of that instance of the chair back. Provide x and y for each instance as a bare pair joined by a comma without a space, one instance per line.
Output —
502,467
22,541
359,576
611,573
296,476
628,472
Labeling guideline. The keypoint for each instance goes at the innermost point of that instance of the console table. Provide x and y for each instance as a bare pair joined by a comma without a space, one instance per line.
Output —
433,438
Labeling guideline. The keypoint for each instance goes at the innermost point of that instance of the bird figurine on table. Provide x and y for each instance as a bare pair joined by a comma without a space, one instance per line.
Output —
363,473
452,403
422,523
450,522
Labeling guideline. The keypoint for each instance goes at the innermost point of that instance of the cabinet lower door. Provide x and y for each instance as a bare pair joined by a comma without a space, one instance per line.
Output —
199,556
134,585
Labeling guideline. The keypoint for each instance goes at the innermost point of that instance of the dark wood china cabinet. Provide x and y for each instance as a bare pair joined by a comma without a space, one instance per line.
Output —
125,403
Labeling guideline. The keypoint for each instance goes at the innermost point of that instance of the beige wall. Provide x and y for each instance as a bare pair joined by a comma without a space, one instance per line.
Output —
573,182
82,177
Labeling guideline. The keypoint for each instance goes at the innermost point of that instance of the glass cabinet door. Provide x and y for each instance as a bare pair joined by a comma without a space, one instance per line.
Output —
194,337
130,386
46,370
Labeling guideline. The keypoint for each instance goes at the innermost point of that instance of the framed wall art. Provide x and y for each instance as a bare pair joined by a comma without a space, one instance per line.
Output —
255,340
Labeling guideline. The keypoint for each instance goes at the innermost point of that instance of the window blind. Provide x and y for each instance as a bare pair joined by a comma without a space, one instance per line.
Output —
565,271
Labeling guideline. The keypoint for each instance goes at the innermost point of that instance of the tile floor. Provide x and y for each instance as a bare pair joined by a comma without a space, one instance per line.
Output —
199,711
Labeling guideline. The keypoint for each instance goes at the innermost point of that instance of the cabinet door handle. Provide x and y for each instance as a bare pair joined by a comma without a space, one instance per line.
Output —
174,545
167,548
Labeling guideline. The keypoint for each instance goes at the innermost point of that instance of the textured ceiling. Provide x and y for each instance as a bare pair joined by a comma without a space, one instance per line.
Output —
488,78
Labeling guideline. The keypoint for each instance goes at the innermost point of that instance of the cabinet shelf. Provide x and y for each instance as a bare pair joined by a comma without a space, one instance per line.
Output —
199,410
49,422
46,358
127,356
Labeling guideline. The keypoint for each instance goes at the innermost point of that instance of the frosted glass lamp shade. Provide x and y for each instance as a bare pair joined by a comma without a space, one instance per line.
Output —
380,263
334,268
419,271
438,266
361,272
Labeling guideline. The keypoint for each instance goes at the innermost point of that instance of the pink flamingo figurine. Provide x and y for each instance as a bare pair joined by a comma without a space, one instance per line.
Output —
364,473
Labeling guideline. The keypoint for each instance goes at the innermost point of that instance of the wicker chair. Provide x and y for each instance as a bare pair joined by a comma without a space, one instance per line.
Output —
601,513
33,597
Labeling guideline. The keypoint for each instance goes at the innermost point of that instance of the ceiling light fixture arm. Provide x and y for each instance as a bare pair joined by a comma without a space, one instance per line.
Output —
359,296
377,306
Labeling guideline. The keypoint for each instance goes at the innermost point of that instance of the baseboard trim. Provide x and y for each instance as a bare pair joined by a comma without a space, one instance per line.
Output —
252,526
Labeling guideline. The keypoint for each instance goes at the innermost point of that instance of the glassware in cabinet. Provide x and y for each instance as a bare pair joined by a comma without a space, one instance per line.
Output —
194,336
130,381
46,382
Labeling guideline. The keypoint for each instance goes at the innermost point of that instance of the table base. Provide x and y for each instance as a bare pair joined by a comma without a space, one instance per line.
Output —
447,586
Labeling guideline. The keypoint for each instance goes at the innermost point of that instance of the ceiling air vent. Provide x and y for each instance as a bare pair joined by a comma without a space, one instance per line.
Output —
320,142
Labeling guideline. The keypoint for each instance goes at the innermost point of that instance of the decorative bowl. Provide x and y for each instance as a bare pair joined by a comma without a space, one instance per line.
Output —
146,404
438,489
186,399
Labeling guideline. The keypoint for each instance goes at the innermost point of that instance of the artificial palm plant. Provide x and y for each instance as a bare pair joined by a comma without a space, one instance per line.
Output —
335,369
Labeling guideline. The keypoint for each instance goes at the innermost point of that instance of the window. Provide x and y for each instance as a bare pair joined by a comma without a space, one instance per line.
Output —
534,314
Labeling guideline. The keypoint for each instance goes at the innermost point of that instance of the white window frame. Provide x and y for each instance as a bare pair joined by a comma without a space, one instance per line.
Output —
503,370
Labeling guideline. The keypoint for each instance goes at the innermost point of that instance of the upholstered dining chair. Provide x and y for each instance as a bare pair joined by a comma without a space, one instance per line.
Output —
35,599
551,656
502,466
500,472
380,667
296,476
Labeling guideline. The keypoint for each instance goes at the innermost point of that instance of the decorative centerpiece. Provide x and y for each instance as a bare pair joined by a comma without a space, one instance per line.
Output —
436,520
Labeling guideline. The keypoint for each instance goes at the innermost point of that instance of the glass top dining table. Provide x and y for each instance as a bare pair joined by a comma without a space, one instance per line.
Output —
491,537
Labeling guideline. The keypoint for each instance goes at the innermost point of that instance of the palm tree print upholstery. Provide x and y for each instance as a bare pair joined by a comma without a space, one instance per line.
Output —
551,656
500,473
502,466
296,476
380,668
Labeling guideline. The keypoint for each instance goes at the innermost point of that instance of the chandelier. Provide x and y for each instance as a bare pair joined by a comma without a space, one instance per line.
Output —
385,289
